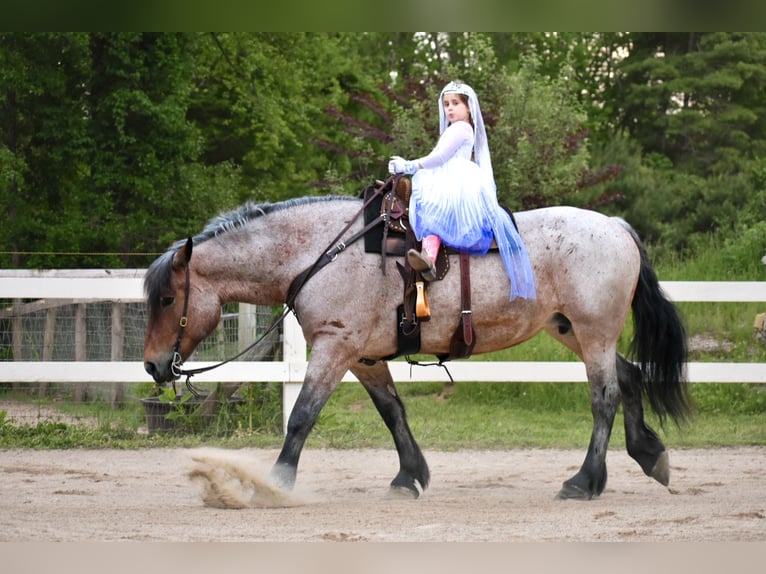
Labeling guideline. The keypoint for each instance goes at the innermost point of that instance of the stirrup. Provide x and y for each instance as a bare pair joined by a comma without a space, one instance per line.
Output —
422,308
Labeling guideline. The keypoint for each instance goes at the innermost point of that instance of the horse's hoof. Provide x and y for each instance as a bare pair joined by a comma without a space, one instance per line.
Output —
573,492
282,476
401,493
661,469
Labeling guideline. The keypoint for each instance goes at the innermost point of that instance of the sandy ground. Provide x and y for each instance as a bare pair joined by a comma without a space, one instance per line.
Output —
716,495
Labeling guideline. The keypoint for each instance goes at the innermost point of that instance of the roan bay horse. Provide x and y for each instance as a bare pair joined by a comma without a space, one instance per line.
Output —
590,271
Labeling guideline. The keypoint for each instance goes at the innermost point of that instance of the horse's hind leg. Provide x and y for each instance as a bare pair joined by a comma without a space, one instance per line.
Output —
413,468
590,480
641,441
601,370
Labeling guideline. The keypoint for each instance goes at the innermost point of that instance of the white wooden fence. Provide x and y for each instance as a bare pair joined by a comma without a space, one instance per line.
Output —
126,285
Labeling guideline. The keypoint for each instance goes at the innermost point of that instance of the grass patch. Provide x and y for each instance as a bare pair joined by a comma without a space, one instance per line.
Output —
442,417
521,415
59,422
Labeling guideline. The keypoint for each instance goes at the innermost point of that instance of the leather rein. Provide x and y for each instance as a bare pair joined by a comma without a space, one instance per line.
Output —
337,245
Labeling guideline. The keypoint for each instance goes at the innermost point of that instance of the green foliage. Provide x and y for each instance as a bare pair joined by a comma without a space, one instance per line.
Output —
257,410
525,415
717,257
680,214
538,149
42,137
696,97
729,399
114,144
147,136
144,147
255,417
260,100
261,410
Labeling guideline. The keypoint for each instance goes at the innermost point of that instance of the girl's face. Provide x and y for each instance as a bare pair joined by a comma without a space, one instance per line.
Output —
455,108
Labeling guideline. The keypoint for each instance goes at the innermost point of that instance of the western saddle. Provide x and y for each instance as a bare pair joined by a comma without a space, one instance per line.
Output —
394,238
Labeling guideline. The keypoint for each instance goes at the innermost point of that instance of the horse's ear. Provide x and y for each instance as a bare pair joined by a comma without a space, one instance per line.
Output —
188,249
183,255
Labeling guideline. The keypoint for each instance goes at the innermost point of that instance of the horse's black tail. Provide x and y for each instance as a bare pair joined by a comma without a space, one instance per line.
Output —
659,345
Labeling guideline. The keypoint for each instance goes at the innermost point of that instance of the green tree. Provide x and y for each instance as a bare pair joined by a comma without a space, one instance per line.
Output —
540,147
683,120
696,98
144,147
43,149
97,153
260,101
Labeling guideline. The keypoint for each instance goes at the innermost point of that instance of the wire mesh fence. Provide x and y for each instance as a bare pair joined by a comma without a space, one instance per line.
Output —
72,330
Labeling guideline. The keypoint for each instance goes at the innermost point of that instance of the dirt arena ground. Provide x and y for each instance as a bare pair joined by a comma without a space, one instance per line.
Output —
715,495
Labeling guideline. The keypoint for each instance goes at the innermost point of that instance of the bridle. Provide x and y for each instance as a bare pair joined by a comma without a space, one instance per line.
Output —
177,361
175,365
337,245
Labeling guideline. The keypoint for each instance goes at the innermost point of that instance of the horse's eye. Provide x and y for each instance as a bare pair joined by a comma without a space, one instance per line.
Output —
167,301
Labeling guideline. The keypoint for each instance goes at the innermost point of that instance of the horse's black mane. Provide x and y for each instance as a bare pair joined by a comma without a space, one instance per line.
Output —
157,278
242,215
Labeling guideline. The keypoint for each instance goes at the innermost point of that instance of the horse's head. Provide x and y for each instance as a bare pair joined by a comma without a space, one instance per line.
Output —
183,309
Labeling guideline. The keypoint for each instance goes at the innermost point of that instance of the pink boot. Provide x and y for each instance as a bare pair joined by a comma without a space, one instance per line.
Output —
425,260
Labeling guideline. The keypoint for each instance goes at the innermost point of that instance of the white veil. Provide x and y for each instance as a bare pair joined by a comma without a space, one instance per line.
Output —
480,144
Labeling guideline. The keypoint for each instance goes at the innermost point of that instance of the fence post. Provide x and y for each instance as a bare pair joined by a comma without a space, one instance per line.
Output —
17,337
117,353
293,351
246,325
49,344
80,348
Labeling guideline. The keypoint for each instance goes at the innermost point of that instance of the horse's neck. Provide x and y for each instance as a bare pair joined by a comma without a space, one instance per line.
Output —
258,264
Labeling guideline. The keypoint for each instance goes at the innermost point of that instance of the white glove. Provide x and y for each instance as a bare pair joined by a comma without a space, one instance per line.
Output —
401,165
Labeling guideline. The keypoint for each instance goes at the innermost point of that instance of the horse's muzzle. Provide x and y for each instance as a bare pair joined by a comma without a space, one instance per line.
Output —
159,374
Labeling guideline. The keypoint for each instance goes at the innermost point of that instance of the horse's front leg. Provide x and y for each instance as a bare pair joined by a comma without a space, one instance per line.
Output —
322,377
413,468
590,480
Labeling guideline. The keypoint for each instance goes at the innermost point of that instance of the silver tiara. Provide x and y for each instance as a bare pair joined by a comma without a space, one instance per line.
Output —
457,88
